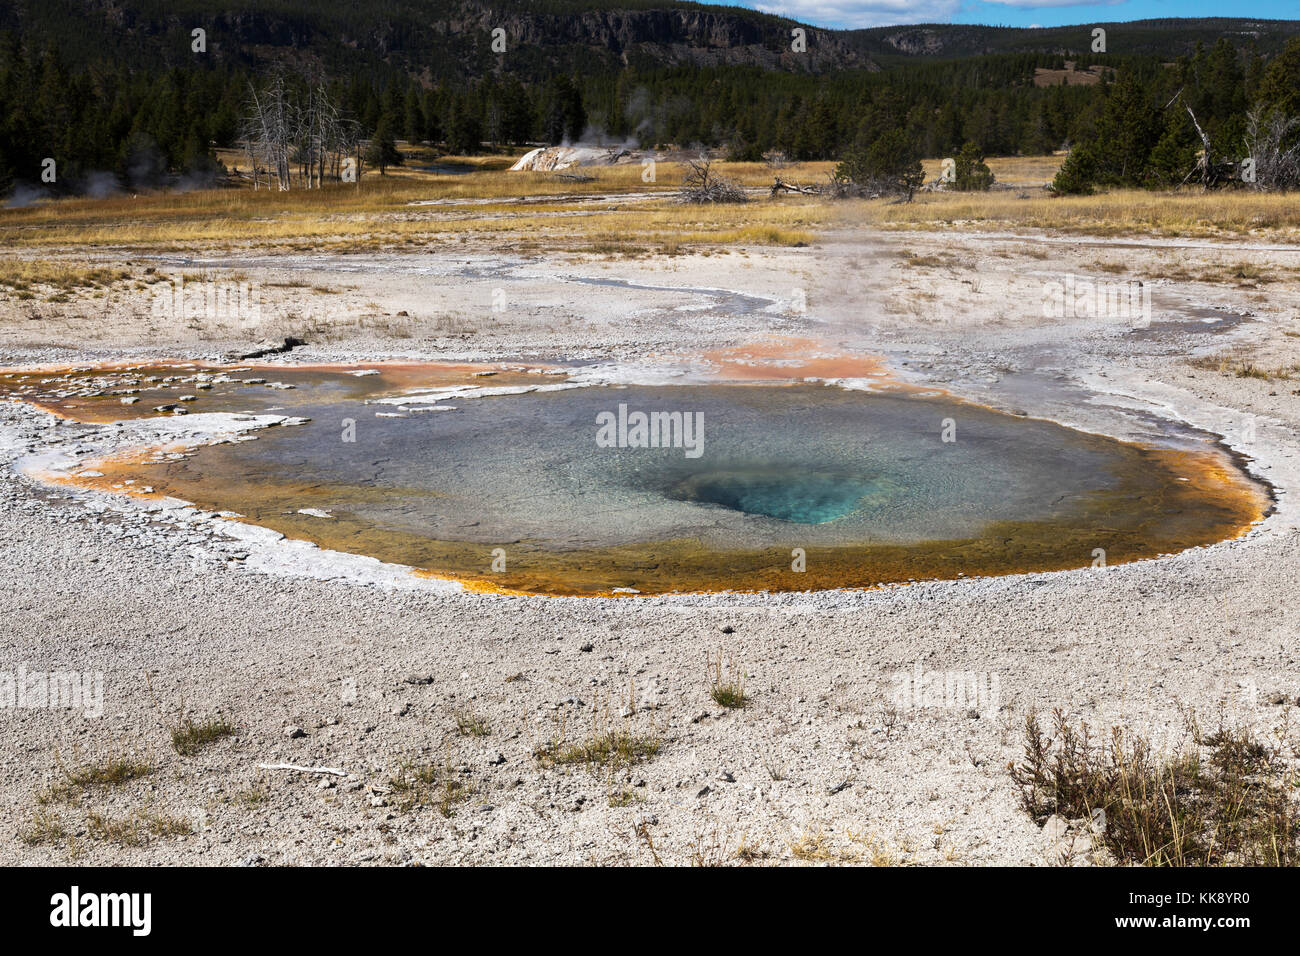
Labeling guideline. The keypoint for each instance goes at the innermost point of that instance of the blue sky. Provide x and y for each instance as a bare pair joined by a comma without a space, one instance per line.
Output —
1016,13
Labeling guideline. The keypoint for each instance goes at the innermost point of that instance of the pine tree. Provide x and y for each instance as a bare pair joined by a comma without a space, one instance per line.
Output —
383,151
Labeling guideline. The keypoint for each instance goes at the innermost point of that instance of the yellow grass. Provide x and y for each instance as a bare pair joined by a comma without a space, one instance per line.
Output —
545,211
1124,212
533,207
24,274
1022,171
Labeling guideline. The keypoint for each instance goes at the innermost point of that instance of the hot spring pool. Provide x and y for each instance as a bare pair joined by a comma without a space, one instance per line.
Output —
780,487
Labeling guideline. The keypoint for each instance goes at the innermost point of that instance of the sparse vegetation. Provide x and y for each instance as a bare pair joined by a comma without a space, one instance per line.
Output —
603,748
1227,798
111,772
44,828
138,829
626,798
418,784
28,278
1240,366
190,736
470,724
726,681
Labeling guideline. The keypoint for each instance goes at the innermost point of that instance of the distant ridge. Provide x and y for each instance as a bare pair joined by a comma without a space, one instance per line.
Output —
450,38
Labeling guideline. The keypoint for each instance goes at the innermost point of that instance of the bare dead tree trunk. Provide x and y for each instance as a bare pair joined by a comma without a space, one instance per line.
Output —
1206,163
1273,148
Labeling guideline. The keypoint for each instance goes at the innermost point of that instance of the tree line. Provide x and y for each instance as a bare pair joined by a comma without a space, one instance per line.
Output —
142,128
1214,118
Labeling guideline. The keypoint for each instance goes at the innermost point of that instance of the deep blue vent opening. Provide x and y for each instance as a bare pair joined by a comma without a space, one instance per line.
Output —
790,495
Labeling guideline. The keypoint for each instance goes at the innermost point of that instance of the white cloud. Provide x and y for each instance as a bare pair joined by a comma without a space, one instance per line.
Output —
864,13
878,13
1031,4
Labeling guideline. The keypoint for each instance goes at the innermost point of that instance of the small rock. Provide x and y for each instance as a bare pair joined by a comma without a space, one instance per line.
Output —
401,710
726,777
1055,828
293,733
727,629
704,791
586,648
496,760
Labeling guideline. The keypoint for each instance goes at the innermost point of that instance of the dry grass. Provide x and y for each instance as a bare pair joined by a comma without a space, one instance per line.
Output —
44,828
1124,212
29,279
138,829
190,737
471,724
1238,365
417,785
111,772
381,218
609,211
610,744
814,845
612,748
726,679
1023,171
1228,798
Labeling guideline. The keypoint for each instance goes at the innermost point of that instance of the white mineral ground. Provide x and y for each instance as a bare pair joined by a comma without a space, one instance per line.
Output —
374,665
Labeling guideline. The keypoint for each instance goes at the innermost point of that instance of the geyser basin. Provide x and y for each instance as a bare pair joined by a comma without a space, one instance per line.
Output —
792,487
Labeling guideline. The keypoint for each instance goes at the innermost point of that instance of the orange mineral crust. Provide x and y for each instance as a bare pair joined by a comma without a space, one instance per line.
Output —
1156,501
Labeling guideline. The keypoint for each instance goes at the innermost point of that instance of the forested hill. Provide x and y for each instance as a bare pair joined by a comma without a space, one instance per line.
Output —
892,46
435,40
444,40
114,91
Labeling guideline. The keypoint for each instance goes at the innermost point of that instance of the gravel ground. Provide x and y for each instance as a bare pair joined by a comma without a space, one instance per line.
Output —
316,661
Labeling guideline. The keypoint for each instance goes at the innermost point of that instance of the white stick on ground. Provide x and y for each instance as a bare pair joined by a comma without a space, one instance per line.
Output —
289,766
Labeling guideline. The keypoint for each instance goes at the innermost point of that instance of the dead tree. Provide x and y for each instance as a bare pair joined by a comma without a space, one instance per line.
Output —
300,127
267,131
702,185
1273,148
1206,169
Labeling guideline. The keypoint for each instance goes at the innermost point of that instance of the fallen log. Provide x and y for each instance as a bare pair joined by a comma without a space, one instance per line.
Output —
779,186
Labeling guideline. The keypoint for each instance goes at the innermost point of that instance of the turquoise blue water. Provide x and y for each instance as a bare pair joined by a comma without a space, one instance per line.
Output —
790,494
806,465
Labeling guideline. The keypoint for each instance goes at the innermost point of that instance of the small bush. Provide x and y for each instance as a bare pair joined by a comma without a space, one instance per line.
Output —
1227,800
419,785
726,684
470,724
112,772
889,164
189,737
